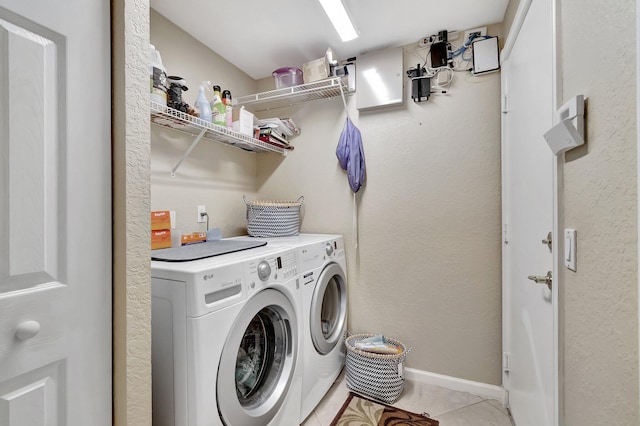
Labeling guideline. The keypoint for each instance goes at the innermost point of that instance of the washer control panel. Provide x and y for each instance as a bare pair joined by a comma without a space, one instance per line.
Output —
277,268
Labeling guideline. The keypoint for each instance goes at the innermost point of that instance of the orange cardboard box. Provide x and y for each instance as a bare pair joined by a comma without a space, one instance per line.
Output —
160,219
196,237
160,238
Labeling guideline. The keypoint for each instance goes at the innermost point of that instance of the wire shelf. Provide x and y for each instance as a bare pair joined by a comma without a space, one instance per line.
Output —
294,95
162,115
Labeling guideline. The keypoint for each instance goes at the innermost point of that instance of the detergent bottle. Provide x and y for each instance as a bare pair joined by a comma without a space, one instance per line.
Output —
226,99
218,109
203,104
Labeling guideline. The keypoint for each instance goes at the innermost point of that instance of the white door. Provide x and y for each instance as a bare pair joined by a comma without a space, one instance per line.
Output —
527,218
55,213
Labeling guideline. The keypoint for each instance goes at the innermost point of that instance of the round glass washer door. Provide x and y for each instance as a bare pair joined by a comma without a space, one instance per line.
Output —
328,309
258,360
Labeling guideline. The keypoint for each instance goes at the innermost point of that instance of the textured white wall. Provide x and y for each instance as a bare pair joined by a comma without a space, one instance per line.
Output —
427,270
214,175
131,203
600,201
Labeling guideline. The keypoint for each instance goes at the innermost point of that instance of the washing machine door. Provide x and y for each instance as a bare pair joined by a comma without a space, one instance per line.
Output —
328,310
258,360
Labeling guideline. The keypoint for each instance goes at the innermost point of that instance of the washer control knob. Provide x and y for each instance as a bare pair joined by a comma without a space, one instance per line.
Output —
264,270
329,249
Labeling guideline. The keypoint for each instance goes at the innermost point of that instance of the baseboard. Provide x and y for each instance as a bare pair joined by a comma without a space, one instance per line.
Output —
461,385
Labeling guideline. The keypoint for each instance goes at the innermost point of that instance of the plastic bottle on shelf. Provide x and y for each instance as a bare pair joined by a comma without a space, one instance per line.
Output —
226,99
202,103
218,109
157,77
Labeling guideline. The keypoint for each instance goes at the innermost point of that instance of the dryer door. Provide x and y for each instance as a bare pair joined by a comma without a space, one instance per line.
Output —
258,360
328,309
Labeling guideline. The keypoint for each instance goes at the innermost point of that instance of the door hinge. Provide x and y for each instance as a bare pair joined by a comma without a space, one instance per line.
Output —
505,362
505,237
504,104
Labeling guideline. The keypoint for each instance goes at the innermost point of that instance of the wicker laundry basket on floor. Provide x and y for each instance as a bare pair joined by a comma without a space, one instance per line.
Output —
273,218
375,375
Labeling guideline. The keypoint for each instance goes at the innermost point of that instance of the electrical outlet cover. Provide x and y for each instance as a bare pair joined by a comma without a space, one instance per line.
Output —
481,30
202,209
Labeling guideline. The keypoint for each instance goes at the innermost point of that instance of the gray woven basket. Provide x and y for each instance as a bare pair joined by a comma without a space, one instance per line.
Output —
273,218
375,375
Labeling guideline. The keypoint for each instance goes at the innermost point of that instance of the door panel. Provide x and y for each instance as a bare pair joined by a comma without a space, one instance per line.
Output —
55,211
528,217
31,149
35,398
33,302
43,311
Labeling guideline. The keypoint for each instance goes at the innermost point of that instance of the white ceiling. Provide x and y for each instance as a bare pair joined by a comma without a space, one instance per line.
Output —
260,36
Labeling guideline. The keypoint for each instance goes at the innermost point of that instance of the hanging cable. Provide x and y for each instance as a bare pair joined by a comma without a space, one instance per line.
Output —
355,203
207,216
344,101
355,222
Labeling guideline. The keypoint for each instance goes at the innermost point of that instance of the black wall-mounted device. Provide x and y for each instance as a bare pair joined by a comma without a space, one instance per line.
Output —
439,54
420,84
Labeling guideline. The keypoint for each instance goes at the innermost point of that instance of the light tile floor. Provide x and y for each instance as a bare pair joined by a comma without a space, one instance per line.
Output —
451,408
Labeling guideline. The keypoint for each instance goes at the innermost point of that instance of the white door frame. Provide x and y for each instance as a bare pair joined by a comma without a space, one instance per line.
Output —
638,145
558,277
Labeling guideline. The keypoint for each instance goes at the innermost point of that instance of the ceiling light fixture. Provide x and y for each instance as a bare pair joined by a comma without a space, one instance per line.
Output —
339,17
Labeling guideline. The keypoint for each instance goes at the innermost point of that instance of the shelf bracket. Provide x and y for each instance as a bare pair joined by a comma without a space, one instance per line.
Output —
187,152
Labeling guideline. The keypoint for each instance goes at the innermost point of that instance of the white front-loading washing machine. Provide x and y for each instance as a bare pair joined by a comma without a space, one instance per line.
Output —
225,347
323,273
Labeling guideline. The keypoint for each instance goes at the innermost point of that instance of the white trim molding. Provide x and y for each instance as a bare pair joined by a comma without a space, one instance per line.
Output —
558,215
638,143
558,227
460,385
518,20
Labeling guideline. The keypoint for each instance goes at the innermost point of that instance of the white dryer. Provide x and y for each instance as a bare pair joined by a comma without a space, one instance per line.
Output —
226,340
323,271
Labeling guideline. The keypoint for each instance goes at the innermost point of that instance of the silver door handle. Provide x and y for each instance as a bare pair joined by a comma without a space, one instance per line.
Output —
547,279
